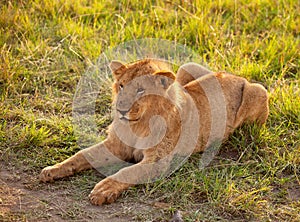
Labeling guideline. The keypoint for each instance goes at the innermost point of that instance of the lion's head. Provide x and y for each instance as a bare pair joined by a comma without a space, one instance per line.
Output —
124,73
142,95
139,89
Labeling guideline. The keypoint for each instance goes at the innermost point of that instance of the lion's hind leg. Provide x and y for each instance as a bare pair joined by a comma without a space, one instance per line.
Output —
254,105
189,72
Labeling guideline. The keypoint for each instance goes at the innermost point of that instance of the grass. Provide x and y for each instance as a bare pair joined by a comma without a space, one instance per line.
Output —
47,45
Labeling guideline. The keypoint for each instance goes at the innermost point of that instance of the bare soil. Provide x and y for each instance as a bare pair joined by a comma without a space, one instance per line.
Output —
24,198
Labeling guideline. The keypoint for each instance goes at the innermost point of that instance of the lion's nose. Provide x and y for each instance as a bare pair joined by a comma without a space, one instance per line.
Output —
123,112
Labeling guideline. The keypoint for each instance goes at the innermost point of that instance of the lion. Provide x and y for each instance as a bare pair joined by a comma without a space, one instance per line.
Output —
205,104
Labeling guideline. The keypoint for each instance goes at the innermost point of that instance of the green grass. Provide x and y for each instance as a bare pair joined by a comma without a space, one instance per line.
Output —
45,47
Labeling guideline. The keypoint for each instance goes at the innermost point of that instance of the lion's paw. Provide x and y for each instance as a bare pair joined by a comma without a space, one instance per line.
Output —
50,173
106,191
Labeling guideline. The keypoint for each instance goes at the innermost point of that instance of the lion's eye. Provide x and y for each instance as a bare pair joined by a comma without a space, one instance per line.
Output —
121,87
140,91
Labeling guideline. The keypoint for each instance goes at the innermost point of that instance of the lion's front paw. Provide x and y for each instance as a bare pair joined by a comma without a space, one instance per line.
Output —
50,173
106,191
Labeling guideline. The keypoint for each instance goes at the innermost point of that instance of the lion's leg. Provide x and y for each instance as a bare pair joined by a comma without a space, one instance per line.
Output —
109,189
254,106
189,72
99,155
66,168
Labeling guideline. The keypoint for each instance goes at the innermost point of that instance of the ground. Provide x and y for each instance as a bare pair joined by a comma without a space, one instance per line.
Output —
46,46
23,198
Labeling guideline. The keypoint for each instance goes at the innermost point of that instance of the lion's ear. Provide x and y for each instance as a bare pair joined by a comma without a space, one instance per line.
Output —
115,65
166,78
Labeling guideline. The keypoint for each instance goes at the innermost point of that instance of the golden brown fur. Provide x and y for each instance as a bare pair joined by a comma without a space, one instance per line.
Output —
156,93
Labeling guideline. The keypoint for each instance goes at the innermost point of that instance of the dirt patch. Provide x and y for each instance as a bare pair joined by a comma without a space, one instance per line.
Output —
23,198
9,197
294,192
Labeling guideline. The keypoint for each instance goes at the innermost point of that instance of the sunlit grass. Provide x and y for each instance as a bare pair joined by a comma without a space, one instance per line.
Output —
45,46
